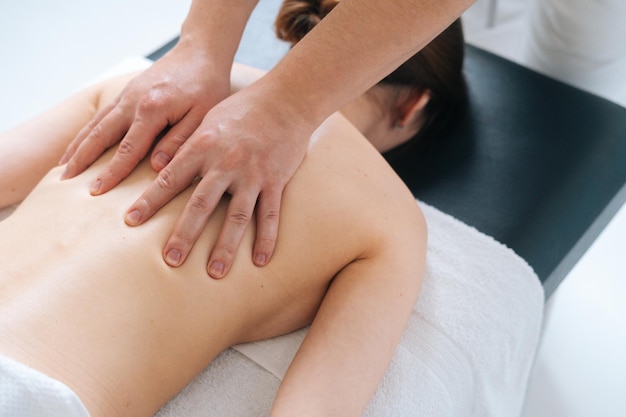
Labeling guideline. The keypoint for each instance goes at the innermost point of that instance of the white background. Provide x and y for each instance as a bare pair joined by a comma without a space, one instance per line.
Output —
49,49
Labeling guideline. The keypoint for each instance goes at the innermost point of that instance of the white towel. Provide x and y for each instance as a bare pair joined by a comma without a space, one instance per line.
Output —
26,392
467,350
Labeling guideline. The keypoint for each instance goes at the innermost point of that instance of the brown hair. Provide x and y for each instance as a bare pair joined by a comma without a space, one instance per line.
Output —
438,67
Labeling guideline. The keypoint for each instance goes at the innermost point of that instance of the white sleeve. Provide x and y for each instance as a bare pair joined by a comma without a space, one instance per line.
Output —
580,42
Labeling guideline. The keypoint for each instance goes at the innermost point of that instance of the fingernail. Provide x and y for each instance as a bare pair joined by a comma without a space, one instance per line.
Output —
260,259
161,160
132,218
217,269
95,187
173,257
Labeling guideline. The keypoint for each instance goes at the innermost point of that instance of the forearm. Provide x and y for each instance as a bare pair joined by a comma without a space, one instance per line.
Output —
354,47
350,343
214,28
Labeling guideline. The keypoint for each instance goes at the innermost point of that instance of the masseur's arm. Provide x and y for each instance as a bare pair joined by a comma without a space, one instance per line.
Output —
250,144
355,333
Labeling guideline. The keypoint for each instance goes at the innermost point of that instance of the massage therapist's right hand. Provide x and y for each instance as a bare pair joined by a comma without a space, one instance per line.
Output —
166,102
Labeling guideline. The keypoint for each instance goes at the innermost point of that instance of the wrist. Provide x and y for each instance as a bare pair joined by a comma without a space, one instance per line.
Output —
295,106
191,56
214,28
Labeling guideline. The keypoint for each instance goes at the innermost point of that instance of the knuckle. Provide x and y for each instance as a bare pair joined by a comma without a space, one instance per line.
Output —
166,180
183,238
149,103
265,242
239,216
177,140
199,203
125,148
226,251
97,132
270,215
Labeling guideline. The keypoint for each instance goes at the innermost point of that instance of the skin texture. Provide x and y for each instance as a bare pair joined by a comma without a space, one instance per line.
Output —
102,312
250,144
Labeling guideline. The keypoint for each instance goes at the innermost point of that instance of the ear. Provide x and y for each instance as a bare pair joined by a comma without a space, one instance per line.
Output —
411,110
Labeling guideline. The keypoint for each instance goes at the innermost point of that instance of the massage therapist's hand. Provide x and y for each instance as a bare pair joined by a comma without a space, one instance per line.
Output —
170,99
248,146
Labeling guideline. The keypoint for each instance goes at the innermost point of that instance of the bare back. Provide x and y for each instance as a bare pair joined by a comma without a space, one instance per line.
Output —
89,300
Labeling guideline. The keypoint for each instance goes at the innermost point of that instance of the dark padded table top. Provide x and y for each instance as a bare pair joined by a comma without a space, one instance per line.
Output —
535,163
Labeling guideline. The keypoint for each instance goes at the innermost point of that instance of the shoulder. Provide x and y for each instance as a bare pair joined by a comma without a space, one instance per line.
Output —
348,180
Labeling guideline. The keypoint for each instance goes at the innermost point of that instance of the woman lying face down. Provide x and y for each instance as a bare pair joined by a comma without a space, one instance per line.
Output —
88,301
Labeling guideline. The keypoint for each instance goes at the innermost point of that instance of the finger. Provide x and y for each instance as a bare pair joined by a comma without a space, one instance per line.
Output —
237,219
130,152
268,213
169,144
84,132
192,221
100,137
171,180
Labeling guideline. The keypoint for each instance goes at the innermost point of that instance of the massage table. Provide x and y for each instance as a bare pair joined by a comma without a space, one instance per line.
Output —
514,194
